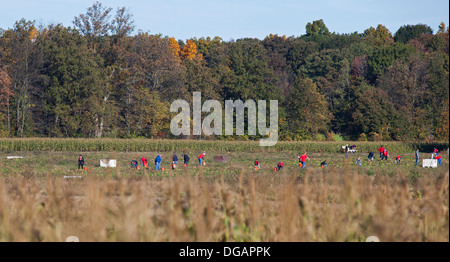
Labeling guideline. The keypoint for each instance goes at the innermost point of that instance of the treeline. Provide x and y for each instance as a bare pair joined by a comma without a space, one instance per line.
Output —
98,79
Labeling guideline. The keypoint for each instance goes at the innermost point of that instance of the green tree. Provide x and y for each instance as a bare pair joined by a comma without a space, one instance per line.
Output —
379,36
316,28
251,76
307,110
71,81
408,32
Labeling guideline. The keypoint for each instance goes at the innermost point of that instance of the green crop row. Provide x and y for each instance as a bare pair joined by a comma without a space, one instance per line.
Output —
145,145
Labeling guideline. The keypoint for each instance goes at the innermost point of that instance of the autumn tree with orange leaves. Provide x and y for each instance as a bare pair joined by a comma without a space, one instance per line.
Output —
188,51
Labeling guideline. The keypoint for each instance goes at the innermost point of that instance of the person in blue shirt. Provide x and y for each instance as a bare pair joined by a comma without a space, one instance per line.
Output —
417,157
158,162
359,161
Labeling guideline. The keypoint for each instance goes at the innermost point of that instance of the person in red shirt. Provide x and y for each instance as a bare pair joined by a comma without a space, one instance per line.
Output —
201,158
435,153
302,159
386,154
257,164
144,162
439,159
280,166
397,159
381,150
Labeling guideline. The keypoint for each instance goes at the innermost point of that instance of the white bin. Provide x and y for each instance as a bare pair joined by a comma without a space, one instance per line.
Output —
108,162
429,163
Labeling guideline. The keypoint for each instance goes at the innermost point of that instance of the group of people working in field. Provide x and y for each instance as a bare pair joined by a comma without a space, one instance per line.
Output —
158,159
301,163
384,154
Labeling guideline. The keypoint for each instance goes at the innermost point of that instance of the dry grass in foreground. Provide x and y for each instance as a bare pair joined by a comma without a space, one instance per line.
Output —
334,205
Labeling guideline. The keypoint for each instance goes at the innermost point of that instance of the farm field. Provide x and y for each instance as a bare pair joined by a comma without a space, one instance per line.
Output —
228,202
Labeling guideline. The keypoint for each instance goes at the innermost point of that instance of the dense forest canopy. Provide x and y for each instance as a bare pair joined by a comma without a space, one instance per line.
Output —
101,79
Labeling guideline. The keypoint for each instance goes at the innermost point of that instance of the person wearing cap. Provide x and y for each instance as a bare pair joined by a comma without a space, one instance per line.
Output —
201,158
435,153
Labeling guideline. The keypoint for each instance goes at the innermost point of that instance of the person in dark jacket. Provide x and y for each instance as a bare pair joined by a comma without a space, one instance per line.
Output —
370,156
280,166
175,159
134,163
80,162
186,159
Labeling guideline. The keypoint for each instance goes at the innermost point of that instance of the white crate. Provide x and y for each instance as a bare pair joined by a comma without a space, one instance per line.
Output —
108,162
429,163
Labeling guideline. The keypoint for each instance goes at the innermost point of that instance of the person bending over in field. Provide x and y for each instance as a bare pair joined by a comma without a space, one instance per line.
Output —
174,161
257,164
280,166
302,159
144,162
80,162
397,159
439,159
134,163
175,158
324,163
186,159
359,161
201,158
370,156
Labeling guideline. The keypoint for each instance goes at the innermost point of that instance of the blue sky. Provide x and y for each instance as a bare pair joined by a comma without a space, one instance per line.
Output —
234,19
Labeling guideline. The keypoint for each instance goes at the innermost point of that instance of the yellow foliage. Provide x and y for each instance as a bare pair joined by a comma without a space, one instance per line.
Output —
175,47
190,51
33,34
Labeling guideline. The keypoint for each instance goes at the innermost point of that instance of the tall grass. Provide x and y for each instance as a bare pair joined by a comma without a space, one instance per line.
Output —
318,205
144,145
